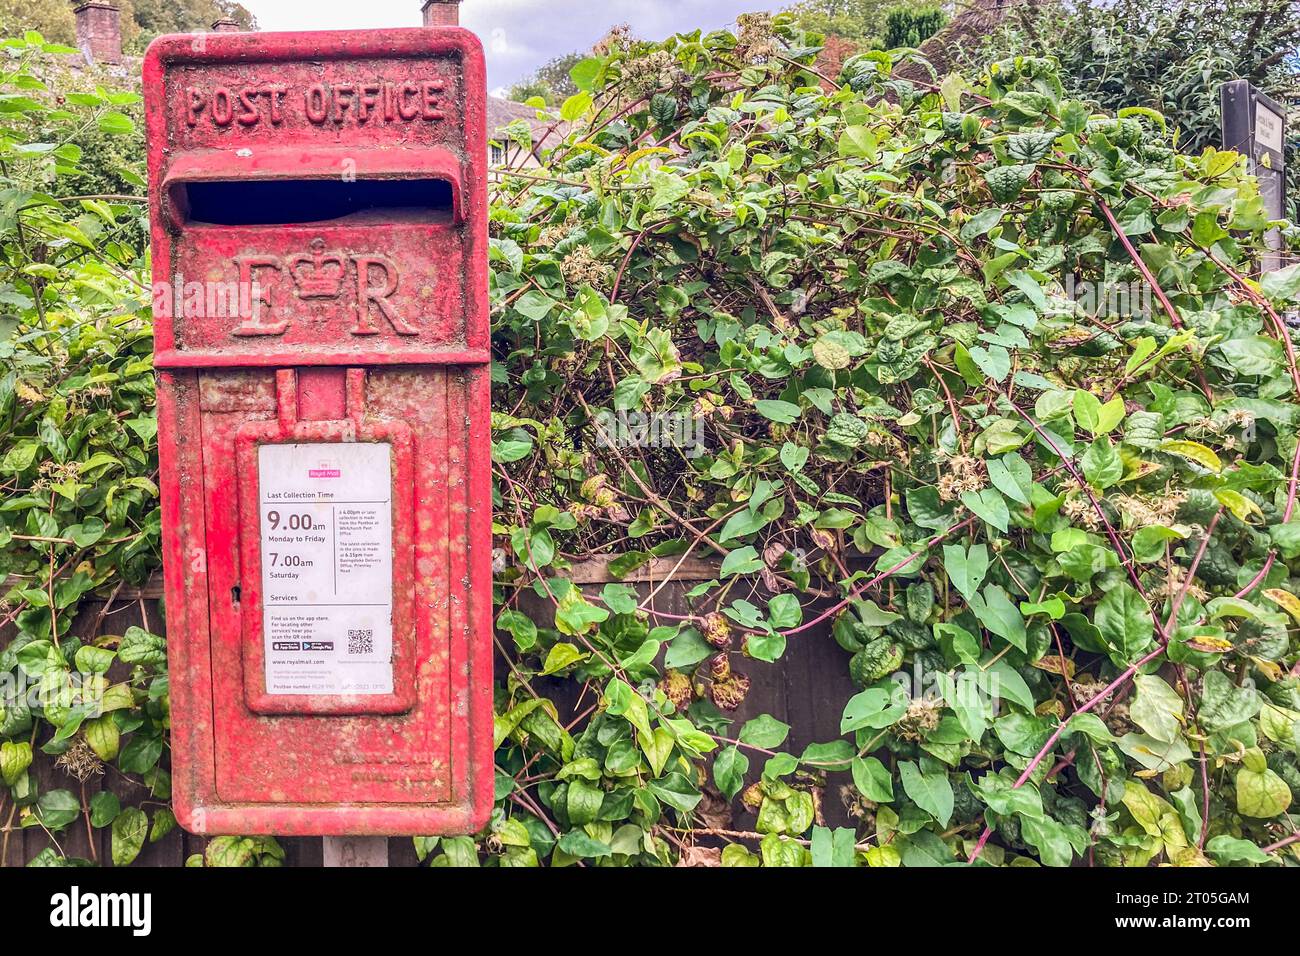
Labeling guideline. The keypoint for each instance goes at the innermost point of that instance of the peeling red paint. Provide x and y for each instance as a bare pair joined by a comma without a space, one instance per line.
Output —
369,326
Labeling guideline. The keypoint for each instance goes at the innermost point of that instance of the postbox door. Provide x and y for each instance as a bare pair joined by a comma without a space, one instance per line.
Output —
303,748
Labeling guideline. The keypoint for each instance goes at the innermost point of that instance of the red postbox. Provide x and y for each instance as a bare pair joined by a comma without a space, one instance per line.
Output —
321,318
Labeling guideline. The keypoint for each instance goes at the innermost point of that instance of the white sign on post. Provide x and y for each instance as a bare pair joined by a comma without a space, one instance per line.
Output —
327,567
1268,128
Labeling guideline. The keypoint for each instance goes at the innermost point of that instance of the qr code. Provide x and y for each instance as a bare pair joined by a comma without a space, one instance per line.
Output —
361,642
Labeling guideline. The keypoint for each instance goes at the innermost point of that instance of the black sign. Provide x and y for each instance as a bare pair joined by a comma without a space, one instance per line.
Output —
1255,126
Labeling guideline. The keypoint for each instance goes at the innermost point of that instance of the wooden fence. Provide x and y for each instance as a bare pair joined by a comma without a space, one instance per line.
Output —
807,689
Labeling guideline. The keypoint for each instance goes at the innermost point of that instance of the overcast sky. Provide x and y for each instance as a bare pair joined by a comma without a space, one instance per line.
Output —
519,35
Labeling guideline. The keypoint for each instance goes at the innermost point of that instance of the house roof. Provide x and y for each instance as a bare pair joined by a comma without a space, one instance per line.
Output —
502,112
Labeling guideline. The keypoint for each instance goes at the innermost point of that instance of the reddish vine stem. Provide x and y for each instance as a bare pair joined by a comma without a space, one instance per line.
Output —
1124,557
1114,685
882,576
1282,844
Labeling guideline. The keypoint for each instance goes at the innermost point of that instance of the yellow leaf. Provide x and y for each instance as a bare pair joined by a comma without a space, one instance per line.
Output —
1055,664
1240,506
884,856
1210,645
1285,600
1195,451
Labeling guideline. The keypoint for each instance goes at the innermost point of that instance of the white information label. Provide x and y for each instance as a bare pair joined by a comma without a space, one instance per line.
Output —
327,567
1268,128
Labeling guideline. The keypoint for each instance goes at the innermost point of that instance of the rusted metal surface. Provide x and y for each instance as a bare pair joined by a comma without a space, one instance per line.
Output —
319,211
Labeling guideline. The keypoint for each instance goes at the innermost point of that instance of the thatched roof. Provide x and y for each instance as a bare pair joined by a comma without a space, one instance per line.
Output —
962,34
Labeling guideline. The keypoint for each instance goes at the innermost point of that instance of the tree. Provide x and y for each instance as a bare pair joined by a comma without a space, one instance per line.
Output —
907,26
156,17
860,20
551,81
142,20
53,19
1169,55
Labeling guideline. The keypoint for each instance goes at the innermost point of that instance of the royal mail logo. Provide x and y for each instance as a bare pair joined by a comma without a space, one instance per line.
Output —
362,282
325,469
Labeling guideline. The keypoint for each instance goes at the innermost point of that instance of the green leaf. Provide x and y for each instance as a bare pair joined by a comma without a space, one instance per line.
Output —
932,791
584,73
857,141
57,808
1152,754
1095,417
576,106
1050,838
1156,708
15,758
676,791
729,769
93,660
741,561
1282,285
994,361
576,843
1125,624
794,457
687,649
1011,476
834,755
784,612
999,614
783,413
764,731
1224,704
966,568
140,647
873,779
768,648
104,808
574,616
1228,850
836,848
990,506
874,709
561,656
116,124
141,753
129,832
1101,463
1262,794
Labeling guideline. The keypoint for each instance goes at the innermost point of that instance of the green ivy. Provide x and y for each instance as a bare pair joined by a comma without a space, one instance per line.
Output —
1075,513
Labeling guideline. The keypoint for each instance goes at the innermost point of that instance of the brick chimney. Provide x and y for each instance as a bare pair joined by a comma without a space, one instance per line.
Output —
441,13
227,25
99,31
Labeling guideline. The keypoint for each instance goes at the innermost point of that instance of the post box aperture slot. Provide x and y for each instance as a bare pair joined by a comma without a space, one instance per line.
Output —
289,202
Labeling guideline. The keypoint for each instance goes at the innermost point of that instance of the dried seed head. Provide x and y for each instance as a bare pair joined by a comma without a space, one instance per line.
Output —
80,762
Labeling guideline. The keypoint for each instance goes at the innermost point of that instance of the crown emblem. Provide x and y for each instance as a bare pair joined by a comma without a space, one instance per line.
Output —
319,276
